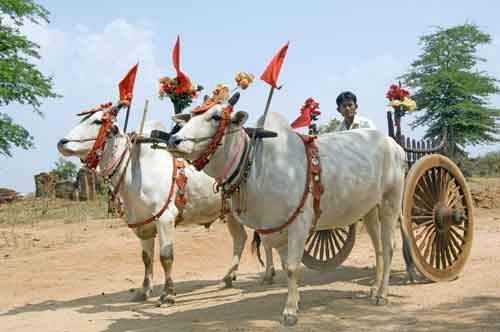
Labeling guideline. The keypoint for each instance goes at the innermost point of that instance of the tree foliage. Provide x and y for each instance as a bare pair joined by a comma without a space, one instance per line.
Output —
331,126
20,80
66,169
451,91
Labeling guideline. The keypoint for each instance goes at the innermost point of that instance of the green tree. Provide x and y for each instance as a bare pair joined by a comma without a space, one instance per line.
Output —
66,169
20,80
331,126
451,91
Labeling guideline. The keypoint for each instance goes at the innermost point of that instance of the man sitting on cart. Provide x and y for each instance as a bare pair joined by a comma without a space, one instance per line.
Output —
347,106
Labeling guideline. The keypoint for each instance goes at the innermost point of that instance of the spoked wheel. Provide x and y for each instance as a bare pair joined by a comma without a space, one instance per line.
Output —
437,217
327,249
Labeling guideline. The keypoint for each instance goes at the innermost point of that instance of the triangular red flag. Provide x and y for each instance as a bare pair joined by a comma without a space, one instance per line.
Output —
126,85
272,71
176,56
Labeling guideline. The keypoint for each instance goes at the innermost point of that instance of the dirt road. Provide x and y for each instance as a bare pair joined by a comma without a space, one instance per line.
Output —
79,277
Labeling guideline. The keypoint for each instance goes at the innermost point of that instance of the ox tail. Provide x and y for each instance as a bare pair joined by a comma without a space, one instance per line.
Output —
256,242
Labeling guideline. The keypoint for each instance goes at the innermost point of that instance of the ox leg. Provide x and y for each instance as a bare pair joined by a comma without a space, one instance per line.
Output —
239,236
292,254
148,248
166,234
372,225
389,216
270,272
410,265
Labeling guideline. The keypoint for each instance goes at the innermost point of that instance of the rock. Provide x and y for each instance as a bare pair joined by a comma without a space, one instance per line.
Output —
8,195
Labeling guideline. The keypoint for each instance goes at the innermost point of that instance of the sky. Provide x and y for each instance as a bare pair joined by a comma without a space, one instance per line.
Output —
362,46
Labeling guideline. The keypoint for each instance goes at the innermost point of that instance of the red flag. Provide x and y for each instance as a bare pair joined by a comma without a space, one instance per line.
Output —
126,85
176,56
272,71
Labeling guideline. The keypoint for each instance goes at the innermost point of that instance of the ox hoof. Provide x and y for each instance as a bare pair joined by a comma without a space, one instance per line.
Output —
268,278
141,295
228,280
381,300
288,320
166,300
267,281
412,275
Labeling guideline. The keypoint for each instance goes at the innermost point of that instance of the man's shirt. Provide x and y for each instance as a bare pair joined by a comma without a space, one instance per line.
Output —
358,122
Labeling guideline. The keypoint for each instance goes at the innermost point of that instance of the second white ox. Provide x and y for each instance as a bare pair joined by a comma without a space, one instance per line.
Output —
362,173
144,189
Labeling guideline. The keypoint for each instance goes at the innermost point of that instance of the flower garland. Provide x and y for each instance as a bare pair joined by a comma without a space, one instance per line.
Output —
180,90
243,80
399,99
222,92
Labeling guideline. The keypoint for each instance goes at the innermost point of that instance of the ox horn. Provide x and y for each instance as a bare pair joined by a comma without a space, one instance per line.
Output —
234,99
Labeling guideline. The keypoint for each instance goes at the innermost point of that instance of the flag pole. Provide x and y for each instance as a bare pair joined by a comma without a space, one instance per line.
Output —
126,118
268,103
266,110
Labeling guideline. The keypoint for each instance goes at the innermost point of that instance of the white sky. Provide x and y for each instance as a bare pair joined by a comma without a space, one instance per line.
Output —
334,46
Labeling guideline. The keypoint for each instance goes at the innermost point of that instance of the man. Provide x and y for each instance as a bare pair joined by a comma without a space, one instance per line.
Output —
348,107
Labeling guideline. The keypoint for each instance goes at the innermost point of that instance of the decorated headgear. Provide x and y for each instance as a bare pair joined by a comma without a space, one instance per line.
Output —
179,89
308,112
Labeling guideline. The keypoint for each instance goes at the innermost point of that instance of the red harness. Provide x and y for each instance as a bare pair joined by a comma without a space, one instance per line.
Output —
313,170
314,176
203,160
95,154
180,179
180,199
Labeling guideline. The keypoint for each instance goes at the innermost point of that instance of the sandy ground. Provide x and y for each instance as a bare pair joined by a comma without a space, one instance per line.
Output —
80,277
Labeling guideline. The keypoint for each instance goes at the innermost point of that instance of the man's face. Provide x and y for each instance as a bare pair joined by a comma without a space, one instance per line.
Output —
348,109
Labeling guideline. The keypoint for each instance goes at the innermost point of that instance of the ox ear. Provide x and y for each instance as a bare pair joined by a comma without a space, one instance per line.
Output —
239,118
181,118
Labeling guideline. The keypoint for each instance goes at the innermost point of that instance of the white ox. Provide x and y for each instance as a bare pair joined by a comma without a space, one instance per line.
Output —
362,172
144,190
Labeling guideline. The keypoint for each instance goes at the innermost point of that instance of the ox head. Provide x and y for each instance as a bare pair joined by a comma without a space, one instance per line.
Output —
199,129
80,141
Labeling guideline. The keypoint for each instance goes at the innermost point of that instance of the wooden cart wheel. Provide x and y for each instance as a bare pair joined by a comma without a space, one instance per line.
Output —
437,217
329,248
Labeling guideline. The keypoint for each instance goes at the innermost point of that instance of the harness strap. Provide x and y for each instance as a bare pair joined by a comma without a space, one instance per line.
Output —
94,155
203,160
120,180
180,197
314,176
167,202
111,170
221,180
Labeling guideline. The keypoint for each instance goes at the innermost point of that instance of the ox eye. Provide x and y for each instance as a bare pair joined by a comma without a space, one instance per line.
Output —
98,122
216,117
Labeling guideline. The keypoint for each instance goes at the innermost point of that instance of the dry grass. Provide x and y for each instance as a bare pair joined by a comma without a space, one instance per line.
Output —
34,210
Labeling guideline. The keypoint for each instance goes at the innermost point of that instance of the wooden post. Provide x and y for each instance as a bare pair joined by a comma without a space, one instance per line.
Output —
390,125
144,114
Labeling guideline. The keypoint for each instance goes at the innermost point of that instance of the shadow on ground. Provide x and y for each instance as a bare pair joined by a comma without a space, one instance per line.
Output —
203,305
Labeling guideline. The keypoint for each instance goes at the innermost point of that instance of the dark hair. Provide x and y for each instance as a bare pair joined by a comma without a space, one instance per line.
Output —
346,95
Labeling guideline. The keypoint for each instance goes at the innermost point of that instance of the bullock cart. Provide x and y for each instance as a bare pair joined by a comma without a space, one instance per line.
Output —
437,214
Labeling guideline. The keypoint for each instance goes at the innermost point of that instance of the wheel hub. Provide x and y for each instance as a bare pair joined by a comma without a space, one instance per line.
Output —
445,217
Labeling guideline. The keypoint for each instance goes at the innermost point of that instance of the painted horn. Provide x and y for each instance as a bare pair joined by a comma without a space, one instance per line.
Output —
234,99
